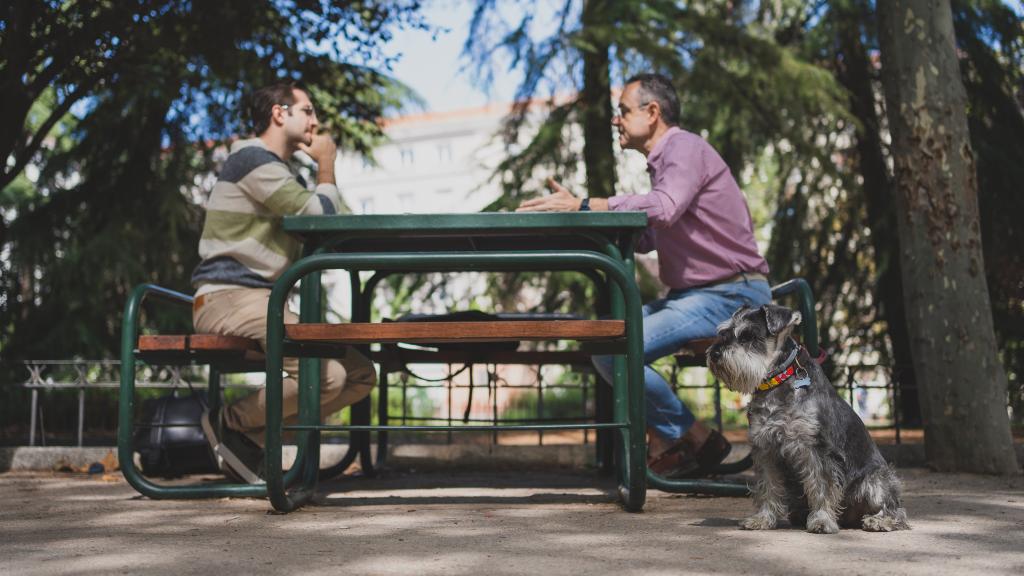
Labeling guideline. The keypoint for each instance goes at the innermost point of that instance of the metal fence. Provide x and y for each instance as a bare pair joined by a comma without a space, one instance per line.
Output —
84,375
473,393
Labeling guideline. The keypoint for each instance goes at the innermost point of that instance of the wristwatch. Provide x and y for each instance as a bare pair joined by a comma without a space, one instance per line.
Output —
585,205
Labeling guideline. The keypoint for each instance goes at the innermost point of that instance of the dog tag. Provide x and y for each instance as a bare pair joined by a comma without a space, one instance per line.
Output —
802,380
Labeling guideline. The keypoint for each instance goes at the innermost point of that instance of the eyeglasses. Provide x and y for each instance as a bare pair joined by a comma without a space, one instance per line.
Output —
307,109
623,111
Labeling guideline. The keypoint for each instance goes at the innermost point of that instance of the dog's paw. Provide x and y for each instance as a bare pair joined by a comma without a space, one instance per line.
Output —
883,522
758,522
821,523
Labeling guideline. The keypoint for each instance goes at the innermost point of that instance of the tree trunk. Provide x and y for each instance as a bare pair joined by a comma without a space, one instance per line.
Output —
962,385
598,151
854,73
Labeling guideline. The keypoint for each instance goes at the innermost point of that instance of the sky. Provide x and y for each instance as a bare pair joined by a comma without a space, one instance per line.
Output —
435,69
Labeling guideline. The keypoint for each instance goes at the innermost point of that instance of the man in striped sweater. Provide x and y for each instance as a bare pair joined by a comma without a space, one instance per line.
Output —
244,250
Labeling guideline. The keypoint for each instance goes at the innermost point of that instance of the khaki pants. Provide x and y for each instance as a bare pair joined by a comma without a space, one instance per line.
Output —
243,312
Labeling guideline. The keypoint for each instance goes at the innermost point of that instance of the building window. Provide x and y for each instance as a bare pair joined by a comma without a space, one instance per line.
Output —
407,157
366,205
444,153
405,201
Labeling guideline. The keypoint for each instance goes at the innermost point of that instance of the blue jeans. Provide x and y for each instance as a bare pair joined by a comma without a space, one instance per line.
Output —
683,315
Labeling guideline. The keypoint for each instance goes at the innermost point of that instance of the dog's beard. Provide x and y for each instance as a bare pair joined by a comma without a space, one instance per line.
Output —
740,369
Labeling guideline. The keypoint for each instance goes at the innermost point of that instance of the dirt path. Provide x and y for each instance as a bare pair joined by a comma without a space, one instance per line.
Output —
452,523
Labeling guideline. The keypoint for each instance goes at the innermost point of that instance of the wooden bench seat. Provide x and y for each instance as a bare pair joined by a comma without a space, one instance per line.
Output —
211,348
441,332
242,353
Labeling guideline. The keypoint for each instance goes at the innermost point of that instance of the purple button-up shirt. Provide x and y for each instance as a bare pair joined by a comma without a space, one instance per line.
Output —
698,219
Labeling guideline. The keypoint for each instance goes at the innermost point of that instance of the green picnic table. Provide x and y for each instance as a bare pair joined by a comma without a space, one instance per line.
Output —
599,244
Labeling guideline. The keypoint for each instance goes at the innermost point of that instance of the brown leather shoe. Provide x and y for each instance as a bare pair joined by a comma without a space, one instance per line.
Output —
675,462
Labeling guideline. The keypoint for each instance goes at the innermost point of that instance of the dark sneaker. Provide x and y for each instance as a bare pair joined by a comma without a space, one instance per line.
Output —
236,455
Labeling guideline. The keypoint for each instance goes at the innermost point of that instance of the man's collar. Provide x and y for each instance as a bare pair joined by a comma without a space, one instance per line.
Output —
255,142
659,146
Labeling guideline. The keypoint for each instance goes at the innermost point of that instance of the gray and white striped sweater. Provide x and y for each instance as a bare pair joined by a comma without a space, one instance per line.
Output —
243,243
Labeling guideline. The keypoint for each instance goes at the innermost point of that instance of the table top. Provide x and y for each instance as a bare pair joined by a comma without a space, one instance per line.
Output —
481,223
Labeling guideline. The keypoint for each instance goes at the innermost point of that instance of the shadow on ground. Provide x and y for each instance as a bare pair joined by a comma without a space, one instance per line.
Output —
453,523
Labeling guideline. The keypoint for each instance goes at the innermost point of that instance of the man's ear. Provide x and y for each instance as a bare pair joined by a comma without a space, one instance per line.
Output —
780,318
655,112
277,116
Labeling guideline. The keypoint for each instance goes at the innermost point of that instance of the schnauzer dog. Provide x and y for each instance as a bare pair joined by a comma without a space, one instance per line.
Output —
813,456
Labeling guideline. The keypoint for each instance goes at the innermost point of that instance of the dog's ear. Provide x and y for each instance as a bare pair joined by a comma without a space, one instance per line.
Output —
779,318
739,312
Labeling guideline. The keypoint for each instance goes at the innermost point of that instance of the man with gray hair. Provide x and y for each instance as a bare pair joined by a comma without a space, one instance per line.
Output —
700,225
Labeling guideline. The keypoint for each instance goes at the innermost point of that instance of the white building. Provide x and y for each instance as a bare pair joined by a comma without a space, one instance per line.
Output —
430,163
442,163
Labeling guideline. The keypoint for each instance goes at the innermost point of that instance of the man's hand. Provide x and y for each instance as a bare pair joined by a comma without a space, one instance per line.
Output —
560,200
322,149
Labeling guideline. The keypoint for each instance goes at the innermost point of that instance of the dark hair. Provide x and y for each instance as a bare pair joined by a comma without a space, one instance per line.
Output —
658,88
263,101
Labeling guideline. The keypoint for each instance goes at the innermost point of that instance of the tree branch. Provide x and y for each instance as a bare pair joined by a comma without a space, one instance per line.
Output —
23,155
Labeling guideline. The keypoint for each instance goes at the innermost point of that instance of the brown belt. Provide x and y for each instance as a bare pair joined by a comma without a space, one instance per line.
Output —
748,276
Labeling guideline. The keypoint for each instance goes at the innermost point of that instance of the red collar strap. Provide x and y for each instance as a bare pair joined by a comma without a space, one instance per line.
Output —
791,369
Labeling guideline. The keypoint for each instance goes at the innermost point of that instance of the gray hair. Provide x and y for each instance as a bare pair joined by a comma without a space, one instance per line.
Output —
658,88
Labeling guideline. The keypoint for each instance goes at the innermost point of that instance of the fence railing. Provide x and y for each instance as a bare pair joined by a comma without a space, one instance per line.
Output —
84,375
538,394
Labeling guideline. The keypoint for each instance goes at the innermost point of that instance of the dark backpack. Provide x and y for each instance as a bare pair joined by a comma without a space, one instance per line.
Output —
179,449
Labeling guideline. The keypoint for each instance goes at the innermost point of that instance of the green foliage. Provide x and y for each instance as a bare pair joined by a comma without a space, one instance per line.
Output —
116,114
559,403
771,85
824,226
549,148
757,100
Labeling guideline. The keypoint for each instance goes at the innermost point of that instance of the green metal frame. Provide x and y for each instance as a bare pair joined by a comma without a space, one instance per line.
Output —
365,296
341,232
805,302
614,261
628,415
329,232
126,407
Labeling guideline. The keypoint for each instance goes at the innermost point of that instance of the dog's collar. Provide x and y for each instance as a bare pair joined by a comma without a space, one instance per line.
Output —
791,369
